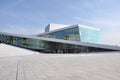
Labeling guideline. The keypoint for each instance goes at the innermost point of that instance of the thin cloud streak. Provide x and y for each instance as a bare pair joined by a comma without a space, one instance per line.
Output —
107,23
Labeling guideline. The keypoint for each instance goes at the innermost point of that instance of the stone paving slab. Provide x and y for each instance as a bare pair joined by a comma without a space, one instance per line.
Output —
9,50
61,67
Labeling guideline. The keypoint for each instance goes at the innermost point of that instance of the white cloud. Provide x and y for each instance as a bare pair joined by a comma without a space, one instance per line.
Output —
111,38
98,21
80,19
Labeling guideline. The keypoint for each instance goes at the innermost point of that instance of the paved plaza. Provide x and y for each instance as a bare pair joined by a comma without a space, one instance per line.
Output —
102,66
8,50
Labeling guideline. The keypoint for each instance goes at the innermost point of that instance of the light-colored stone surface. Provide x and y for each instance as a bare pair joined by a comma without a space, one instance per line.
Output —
61,67
7,50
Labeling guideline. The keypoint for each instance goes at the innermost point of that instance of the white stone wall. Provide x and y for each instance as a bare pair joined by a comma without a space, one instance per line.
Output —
51,27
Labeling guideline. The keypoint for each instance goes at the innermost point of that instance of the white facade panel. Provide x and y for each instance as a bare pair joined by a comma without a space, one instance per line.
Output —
51,27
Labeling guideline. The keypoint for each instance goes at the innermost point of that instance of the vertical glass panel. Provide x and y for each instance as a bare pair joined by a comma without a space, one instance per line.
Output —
89,35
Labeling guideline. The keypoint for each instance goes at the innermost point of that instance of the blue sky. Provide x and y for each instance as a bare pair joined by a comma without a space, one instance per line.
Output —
31,16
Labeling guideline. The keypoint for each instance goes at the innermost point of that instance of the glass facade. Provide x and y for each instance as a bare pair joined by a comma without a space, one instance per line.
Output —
67,34
76,34
47,46
90,35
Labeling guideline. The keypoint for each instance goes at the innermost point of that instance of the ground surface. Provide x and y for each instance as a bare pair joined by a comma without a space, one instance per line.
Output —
7,50
61,67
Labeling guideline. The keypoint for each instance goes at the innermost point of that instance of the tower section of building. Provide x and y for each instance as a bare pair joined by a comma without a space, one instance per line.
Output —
76,32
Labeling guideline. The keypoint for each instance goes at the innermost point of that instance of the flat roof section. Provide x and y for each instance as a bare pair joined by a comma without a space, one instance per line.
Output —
89,27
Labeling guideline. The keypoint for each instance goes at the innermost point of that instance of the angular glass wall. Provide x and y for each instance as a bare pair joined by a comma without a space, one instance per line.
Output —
48,46
77,33
67,34
90,35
